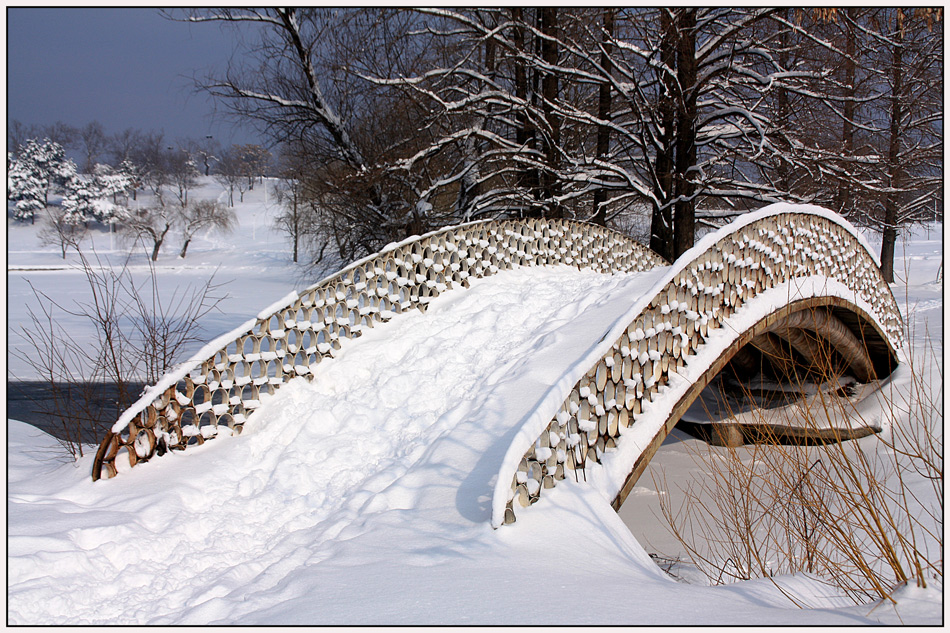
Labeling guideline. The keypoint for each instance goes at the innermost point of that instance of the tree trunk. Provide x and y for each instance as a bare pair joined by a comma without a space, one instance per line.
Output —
469,187
781,105
843,199
525,133
296,227
684,215
661,225
891,204
158,243
550,185
184,248
603,113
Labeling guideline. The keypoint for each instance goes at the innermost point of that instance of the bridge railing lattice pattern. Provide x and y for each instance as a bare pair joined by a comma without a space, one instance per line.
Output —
215,393
706,286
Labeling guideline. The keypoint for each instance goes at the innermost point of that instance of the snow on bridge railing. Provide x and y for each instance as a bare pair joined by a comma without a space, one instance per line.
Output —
786,249
215,391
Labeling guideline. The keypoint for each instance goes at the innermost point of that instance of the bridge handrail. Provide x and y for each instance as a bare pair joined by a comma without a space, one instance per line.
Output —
226,379
637,355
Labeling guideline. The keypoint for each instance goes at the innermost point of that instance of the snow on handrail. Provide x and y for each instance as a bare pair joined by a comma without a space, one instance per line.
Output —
214,391
587,411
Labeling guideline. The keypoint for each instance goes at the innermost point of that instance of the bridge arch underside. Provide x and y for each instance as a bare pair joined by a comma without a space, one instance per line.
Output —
806,354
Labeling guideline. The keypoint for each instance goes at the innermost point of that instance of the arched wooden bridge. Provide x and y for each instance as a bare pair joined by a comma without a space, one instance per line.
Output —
783,284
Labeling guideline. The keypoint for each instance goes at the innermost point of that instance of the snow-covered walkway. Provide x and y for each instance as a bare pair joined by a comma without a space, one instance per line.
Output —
364,497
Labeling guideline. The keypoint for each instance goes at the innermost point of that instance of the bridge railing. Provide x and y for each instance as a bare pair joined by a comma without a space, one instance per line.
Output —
665,330
215,391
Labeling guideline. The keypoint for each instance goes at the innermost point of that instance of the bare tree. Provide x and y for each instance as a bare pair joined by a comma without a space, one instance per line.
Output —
204,152
230,173
93,142
18,134
298,218
150,157
150,224
865,137
59,231
456,114
65,135
254,160
913,160
659,107
200,215
74,370
181,172
604,112
124,145
348,134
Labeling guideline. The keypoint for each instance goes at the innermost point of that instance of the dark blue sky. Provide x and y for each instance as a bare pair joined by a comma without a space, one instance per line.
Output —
126,68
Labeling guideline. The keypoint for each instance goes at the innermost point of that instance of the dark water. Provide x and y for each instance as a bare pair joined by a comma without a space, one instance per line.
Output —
86,409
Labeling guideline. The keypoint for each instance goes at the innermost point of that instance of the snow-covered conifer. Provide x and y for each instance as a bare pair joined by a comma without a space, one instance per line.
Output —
38,170
25,188
133,175
111,182
79,201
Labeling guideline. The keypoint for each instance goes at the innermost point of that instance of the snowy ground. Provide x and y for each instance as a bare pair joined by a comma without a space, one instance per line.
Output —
364,497
252,266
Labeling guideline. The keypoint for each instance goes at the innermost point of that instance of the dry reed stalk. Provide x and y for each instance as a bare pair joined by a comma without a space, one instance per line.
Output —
848,512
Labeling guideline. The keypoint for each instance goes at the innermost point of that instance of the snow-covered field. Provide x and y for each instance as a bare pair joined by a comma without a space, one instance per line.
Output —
364,497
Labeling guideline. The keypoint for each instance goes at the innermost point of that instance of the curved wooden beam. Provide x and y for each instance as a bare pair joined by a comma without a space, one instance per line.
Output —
832,330
778,319
758,267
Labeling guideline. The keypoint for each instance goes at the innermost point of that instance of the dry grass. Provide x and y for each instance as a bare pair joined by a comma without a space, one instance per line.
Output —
137,335
865,516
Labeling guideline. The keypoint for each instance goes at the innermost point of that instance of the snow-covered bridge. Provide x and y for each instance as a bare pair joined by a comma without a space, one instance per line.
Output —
612,348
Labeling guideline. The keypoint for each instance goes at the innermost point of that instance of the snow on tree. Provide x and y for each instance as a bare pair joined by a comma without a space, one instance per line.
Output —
111,183
132,174
595,113
557,111
26,188
79,201
297,89
39,168
205,152
864,137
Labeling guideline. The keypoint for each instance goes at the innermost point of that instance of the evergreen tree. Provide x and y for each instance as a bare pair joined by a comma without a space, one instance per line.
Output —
79,202
25,188
38,170
111,182
132,174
